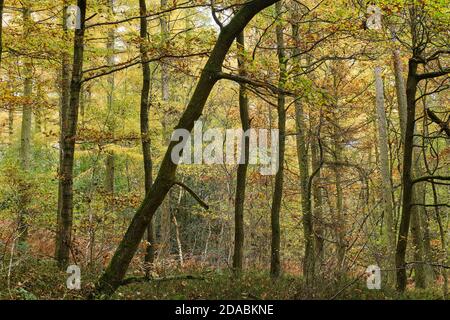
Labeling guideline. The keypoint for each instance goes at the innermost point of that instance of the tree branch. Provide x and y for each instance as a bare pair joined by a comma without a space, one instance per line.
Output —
434,74
444,125
192,193
428,178
256,83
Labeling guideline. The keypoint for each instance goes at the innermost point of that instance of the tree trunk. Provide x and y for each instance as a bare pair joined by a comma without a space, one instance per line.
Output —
383,143
318,200
417,214
238,255
63,112
165,218
145,135
303,161
406,104
411,89
177,230
64,231
25,135
1,30
110,161
339,216
275,263
118,266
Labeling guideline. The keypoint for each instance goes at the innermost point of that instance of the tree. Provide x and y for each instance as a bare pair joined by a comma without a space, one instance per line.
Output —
144,122
275,263
63,112
64,229
419,24
238,255
383,143
25,135
212,72
303,161
1,30
110,61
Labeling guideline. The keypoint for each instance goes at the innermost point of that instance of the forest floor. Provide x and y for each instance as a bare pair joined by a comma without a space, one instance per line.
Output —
41,280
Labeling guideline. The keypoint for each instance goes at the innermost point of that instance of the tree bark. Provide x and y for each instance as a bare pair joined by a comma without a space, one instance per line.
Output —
238,255
318,199
1,30
303,161
118,266
165,217
64,107
416,230
110,159
339,216
25,135
411,89
145,134
275,261
64,231
383,145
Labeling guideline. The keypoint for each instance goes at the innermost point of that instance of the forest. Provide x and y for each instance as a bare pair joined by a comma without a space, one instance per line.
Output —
224,149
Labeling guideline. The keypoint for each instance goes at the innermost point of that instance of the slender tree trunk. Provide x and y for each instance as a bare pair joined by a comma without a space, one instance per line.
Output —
11,124
340,223
411,89
25,135
238,255
275,263
165,179
401,92
177,230
145,134
303,161
64,108
1,30
406,101
417,213
318,200
165,221
64,231
445,249
383,145
110,159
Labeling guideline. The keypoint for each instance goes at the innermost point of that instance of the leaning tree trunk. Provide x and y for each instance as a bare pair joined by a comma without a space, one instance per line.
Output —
64,231
113,275
383,145
145,134
303,162
275,263
238,255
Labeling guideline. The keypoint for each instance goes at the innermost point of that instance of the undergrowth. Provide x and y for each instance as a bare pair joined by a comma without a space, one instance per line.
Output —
34,279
